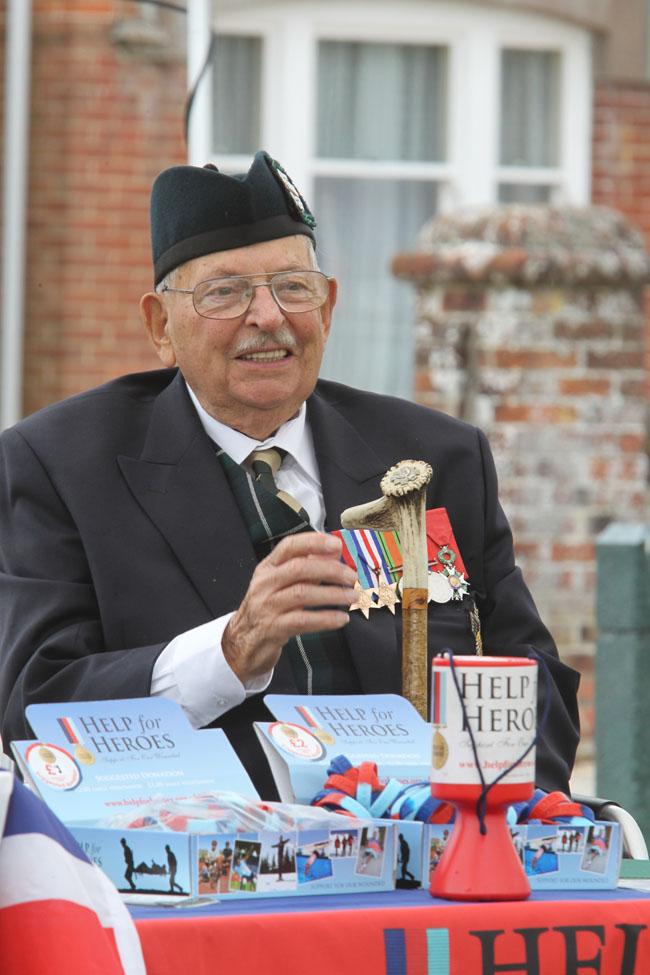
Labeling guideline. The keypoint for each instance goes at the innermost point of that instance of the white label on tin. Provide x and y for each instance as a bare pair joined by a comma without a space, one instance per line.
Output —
500,708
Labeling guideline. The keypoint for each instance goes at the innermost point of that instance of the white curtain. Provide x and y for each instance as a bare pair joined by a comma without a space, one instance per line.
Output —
376,102
362,224
530,108
236,70
381,101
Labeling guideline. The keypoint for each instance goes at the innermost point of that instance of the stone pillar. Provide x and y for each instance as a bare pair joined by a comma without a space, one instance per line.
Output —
530,324
622,672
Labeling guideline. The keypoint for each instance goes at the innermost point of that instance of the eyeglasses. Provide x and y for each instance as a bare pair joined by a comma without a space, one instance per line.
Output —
294,291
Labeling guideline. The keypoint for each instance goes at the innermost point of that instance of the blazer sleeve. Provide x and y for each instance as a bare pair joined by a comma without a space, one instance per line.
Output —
52,646
511,626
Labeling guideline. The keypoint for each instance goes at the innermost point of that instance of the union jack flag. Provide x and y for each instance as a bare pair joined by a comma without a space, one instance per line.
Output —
59,913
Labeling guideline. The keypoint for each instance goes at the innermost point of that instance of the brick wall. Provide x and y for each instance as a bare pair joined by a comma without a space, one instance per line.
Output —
106,117
530,324
3,21
621,160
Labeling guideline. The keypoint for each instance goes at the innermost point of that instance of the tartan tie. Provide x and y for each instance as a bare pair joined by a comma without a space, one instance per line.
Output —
265,464
319,663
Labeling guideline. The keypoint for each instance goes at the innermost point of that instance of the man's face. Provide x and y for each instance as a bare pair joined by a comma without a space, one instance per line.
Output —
223,360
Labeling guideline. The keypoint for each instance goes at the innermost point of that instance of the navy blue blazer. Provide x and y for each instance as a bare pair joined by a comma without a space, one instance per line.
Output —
118,531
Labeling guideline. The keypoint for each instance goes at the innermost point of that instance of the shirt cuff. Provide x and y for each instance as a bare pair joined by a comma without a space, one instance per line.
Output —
193,671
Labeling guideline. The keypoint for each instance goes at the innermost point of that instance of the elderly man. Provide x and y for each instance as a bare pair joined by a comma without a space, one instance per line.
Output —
145,546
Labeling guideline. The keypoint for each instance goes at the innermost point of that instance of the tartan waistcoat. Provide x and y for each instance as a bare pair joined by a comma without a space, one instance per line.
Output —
320,662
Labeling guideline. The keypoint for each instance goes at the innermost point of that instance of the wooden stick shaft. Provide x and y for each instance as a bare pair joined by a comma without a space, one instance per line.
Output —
415,594
414,648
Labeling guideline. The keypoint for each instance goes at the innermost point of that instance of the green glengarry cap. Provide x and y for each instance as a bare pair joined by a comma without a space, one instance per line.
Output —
198,210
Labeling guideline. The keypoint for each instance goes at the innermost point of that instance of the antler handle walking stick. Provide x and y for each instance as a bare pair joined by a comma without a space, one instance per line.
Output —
402,508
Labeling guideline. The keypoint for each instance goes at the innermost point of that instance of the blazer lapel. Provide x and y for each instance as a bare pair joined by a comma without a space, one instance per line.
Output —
350,470
180,484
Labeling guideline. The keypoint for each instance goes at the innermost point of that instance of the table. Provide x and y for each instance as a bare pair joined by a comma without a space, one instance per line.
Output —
402,933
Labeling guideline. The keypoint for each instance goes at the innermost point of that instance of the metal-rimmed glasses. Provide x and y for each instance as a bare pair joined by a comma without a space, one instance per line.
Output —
294,291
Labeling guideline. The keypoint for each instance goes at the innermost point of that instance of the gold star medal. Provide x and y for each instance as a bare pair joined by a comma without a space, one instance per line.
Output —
364,600
387,595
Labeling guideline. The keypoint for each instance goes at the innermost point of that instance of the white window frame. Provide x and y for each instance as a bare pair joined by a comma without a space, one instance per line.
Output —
474,35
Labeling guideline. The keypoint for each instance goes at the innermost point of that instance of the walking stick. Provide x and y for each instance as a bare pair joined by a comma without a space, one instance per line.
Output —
402,508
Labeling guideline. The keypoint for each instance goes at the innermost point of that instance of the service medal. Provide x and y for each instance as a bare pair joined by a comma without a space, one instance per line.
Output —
84,756
324,736
364,600
387,592
440,752
316,730
440,590
457,581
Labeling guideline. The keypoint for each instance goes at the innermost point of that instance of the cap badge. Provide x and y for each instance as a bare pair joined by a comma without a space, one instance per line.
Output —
301,210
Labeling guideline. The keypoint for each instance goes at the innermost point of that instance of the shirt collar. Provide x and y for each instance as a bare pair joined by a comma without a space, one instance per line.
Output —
294,436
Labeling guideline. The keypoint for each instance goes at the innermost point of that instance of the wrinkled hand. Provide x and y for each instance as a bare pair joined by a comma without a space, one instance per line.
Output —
286,596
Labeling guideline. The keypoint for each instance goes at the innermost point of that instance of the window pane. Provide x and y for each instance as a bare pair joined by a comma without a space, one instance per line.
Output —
530,89
362,224
236,72
381,101
523,193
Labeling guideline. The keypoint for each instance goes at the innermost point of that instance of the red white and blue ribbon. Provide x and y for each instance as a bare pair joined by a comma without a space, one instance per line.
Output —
355,790
70,731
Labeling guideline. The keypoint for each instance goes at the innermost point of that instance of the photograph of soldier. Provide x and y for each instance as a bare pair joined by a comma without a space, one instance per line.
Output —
518,843
206,863
597,845
406,878
128,859
341,843
436,846
172,866
214,867
577,840
312,858
278,862
155,871
245,866
370,860
540,852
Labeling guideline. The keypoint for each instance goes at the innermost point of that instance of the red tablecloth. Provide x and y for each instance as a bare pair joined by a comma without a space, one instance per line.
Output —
402,933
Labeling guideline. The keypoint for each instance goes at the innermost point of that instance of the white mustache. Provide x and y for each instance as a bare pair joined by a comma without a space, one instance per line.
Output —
261,341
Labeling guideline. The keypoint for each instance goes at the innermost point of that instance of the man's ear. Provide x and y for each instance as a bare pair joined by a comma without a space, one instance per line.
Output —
327,308
154,316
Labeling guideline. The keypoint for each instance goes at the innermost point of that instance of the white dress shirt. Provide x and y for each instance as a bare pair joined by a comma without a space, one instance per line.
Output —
192,669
